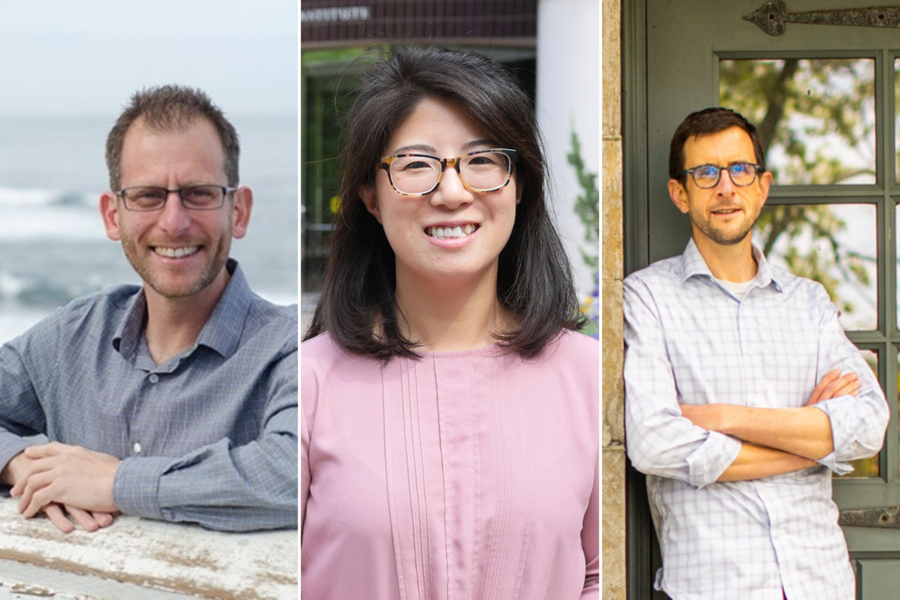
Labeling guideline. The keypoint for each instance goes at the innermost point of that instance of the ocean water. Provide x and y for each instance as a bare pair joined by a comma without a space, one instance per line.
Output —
52,244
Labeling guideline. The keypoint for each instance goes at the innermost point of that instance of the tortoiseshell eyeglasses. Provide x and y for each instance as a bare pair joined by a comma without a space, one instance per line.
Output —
421,174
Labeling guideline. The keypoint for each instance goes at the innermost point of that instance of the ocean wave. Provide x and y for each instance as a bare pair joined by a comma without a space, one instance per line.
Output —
49,214
38,292
42,197
47,290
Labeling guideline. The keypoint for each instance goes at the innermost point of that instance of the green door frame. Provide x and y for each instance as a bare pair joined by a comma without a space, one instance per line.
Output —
641,552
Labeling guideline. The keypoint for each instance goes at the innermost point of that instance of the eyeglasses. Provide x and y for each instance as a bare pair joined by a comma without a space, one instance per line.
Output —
193,197
420,174
707,176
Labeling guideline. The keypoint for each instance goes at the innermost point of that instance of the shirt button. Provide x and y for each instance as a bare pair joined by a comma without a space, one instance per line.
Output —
137,447
154,378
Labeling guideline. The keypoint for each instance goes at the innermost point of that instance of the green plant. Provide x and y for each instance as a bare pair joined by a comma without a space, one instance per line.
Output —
587,207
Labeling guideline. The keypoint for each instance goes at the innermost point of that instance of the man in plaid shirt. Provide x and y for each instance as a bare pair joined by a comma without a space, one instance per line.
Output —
743,394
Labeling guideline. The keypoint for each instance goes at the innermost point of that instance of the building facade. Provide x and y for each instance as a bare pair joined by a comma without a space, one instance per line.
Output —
533,38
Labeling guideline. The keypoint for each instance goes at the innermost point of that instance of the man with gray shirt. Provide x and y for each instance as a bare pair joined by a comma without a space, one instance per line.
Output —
176,399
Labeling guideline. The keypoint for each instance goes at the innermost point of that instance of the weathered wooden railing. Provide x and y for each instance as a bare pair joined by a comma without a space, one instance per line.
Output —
137,559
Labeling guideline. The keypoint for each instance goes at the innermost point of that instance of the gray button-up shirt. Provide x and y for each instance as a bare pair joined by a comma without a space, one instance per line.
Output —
209,436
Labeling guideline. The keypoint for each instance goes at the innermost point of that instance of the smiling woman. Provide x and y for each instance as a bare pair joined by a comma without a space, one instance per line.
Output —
446,240
450,410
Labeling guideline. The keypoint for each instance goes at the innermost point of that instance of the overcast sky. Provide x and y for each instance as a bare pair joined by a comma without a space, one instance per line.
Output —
86,57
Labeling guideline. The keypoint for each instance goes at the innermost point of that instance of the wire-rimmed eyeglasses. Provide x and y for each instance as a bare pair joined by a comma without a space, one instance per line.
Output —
145,198
420,174
707,176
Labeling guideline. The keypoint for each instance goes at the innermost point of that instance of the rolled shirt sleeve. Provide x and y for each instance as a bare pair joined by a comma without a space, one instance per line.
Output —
858,423
659,440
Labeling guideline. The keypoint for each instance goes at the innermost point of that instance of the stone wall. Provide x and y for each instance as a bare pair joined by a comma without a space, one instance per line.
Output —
612,273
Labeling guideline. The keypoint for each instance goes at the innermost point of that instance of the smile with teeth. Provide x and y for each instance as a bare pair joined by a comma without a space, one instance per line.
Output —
725,211
444,233
176,252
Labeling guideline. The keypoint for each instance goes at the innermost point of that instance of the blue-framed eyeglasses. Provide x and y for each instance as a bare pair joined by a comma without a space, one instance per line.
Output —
707,176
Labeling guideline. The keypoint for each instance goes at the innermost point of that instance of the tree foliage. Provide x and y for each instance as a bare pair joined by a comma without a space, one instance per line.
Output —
805,110
816,122
587,207
587,203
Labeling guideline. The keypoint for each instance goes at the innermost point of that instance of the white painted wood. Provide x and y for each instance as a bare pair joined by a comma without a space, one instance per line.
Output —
142,560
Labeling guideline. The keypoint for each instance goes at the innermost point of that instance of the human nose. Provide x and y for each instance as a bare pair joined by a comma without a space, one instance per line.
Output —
451,192
725,186
174,216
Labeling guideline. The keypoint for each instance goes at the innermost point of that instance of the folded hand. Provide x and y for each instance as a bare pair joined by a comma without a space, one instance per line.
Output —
58,475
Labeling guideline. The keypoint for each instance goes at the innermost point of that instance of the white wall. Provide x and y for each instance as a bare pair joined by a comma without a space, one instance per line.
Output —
568,95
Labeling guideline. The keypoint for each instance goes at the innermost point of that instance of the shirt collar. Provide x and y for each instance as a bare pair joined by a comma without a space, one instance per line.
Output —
222,331
128,333
693,263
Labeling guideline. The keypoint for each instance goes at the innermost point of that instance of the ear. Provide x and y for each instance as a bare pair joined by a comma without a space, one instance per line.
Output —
109,211
241,209
370,199
678,195
518,192
765,182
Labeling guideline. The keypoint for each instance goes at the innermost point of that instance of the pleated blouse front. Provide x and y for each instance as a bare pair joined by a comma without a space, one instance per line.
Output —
457,476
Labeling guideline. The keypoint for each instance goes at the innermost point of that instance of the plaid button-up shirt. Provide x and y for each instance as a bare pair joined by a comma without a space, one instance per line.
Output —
209,436
689,341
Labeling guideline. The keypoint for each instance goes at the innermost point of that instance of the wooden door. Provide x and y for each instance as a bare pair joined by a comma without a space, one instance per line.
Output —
825,99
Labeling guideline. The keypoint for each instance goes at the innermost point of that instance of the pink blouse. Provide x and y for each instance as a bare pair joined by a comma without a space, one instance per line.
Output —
459,476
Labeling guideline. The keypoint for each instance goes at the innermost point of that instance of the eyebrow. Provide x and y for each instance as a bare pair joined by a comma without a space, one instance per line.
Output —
731,163
432,150
476,143
415,148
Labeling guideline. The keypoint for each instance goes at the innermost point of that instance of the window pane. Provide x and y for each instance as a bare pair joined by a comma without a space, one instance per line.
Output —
896,225
834,244
321,174
866,467
897,119
816,118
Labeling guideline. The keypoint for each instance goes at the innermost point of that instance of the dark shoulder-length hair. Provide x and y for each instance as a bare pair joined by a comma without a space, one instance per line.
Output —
534,277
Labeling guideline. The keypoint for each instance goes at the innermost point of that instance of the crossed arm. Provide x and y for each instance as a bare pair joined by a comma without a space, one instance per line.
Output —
840,422
776,440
